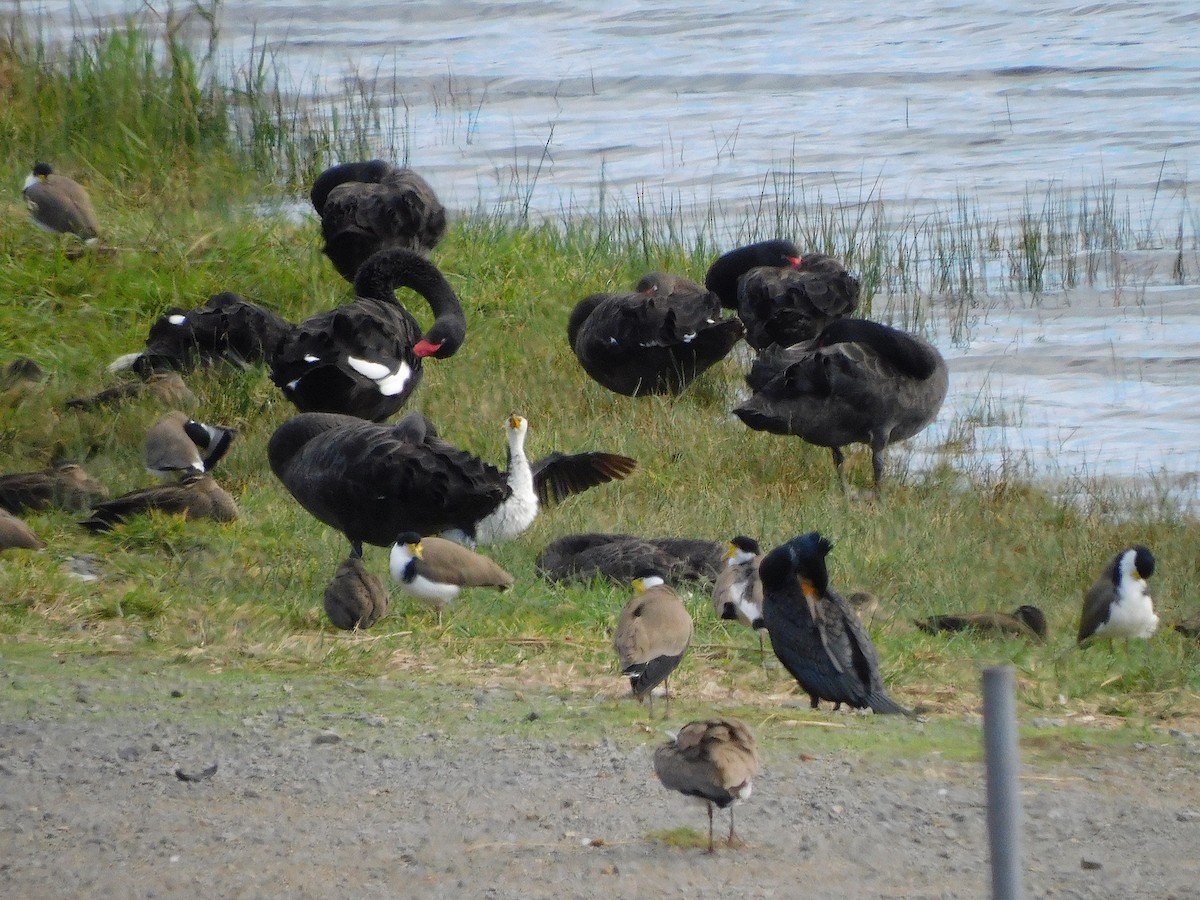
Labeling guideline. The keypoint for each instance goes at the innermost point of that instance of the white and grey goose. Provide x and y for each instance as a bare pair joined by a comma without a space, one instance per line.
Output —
60,205
436,570
177,445
1118,605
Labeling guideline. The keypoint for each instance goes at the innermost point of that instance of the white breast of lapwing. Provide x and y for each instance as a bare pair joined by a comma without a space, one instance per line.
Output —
404,569
1131,614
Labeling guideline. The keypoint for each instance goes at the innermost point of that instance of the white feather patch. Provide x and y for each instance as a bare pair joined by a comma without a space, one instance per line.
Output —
177,319
121,363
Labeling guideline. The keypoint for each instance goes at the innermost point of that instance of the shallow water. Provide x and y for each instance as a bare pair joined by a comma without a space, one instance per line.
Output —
687,103
705,107
1078,389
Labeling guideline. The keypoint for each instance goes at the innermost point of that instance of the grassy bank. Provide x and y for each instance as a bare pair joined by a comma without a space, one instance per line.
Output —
246,597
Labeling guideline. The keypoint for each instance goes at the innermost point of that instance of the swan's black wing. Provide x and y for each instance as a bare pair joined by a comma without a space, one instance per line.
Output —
559,475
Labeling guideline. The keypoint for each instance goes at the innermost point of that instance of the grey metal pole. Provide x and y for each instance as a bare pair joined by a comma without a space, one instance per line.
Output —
1003,789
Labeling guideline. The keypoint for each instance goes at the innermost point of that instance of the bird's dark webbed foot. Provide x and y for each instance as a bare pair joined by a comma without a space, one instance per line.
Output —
356,549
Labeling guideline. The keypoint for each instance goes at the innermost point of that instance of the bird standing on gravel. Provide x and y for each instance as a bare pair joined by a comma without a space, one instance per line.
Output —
1118,604
816,633
714,761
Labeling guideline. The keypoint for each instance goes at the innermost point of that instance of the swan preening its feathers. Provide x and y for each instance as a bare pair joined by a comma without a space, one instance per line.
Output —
857,381
781,295
370,206
373,481
364,358
655,340
227,328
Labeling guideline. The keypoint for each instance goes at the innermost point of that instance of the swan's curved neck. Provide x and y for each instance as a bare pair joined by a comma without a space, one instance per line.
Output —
383,273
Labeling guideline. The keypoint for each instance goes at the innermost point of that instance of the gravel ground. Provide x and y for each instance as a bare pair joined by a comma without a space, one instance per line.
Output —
305,802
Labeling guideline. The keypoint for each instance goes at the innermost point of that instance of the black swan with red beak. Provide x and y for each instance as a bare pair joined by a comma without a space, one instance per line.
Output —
364,359
781,295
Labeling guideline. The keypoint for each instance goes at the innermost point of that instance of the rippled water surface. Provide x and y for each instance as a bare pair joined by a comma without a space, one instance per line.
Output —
689,105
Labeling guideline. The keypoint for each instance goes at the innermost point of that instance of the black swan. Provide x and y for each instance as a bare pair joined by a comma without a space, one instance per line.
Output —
365,358
227,328
370,206
374,482
857,382
655,340
620,557
781,296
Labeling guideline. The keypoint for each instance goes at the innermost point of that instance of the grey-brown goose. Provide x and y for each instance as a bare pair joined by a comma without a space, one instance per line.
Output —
620,557
815,632
1118,605
373,481
436,570
20,372
738,593
857,382
781,295
167,388
370,206
193,497
178,445
365,358
227,329
16,535
64,484
653,632
1025,621
60,205
655,340
714,761
355,598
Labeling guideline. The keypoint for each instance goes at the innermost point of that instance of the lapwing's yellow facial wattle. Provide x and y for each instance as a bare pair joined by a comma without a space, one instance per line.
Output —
731,551
416,549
